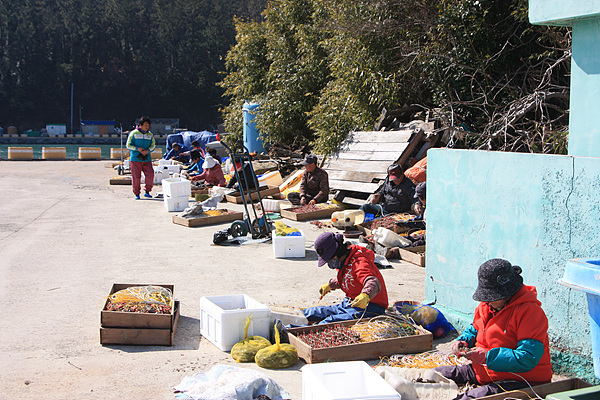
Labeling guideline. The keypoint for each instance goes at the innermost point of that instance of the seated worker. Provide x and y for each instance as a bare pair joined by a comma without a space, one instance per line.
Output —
507,342
195,168
213,173
213,152
246,176
314,187
176,153
395,196
196,147
357,276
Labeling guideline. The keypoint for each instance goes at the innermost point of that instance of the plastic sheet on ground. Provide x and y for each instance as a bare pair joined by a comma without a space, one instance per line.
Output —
225,382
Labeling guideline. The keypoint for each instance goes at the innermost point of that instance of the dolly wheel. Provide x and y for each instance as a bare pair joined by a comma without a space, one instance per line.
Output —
239,228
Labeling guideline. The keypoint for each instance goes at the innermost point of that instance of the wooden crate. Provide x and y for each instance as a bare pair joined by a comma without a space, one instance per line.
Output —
119,319
200,221
359,351
368,227
199,190
117,327
236,197
414,255
141,336
289,213
120,180
540,390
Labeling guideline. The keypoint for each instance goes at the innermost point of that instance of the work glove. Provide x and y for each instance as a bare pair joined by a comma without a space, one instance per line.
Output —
477,355
361,301
459,347
324,289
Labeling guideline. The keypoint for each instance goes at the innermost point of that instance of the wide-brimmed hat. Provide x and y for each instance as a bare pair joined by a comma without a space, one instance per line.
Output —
309,159
394,172
498,280
326,245
209,162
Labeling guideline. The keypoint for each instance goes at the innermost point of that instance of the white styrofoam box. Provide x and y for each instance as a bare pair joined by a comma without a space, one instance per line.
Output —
289,246
176,187
270,205
126,163
169,169
158,177
223,319
344,381
179,203
419,383
162,161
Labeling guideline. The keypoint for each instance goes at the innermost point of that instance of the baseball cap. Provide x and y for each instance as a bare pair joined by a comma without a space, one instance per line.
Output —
394,171
309,159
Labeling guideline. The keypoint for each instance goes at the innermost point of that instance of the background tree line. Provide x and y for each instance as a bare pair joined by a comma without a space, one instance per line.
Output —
125,58
318,68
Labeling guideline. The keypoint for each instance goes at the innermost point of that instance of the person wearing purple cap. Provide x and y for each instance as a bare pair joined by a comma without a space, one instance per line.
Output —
357,276
507,343
314,187
396,195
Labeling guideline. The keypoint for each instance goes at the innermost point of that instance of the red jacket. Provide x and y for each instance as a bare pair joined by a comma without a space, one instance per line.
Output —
522,318
213,176
359,265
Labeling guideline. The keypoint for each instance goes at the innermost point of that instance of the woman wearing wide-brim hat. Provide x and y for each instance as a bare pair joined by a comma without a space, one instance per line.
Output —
507,342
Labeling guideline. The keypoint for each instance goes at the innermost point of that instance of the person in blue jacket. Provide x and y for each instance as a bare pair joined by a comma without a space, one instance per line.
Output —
140,143
176,153
196,167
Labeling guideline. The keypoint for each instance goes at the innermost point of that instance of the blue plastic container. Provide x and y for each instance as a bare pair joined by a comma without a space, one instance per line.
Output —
584,274
251,134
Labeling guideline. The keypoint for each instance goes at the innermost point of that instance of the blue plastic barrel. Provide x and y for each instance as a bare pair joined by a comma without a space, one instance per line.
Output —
584,274
251,134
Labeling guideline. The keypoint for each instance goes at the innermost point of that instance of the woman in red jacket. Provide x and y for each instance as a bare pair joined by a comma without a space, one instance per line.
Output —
357,276
507,342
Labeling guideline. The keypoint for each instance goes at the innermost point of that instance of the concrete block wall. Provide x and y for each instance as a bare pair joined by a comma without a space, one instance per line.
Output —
537,211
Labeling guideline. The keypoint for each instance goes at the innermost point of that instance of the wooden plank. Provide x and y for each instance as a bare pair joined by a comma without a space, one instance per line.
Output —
541,390
421,342
125,180
415,141
208,220
236,197
141,336
411,254
358,166
120,319
353,186
368,146
379,137
389,156
293,214
366,177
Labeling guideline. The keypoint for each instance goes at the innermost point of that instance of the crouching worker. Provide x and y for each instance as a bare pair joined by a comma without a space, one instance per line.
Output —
357,276
507,342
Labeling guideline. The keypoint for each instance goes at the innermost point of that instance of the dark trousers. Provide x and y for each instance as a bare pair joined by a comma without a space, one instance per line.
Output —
462,374
294,198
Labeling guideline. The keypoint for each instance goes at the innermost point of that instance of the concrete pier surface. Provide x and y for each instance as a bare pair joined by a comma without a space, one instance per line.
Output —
66,236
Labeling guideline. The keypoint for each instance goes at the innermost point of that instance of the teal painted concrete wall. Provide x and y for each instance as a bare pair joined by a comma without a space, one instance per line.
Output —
561,12
537,211
584,129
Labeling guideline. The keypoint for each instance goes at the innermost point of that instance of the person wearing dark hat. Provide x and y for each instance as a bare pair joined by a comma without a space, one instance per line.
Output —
314,187
357,276
507,342
396,195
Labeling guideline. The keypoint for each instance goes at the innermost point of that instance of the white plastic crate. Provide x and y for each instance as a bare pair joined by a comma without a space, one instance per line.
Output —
168,169
289,246
344,381
179,203
223,319
176,187
162,161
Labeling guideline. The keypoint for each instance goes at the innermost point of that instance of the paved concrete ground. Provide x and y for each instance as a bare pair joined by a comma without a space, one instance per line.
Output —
66,236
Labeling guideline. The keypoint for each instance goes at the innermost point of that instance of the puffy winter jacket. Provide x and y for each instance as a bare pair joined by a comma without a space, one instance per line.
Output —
138,138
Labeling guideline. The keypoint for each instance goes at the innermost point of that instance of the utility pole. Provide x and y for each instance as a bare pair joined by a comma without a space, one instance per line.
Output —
72,88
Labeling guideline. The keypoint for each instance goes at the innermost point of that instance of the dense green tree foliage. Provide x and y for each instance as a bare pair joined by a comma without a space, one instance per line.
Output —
124,57
478,62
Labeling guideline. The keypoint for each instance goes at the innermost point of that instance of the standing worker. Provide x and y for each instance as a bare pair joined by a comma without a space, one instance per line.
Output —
507,342
141,143
314,187
357,276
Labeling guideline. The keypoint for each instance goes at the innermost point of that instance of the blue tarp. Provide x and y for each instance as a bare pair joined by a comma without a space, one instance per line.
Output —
186,139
